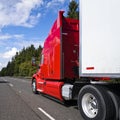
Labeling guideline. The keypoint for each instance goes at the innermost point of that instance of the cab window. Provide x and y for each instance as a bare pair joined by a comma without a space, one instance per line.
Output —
42,59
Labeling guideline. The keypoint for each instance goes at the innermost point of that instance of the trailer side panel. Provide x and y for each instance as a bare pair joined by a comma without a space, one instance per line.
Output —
99,38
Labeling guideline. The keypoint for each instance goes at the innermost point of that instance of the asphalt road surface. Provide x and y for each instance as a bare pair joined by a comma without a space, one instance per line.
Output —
17,102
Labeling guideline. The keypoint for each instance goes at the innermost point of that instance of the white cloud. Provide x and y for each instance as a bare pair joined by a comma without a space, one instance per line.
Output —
18,12
5,37
9,54
8,36
0,64
3,64
53,3
8,41
17,36
25,43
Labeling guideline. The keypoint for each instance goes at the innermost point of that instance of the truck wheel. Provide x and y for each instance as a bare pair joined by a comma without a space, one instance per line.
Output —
95,104
34,87
116,101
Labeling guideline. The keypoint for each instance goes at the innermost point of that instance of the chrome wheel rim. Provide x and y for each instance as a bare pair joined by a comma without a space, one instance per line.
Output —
33,86
90,105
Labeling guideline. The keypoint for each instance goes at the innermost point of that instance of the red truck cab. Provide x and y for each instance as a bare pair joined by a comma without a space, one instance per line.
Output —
60,55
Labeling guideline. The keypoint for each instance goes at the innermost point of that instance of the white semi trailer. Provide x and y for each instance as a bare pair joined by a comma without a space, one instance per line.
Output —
99,57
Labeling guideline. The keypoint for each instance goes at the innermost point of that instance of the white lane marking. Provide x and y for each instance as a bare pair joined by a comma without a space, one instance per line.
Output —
20,91
5,80
49,116
10,84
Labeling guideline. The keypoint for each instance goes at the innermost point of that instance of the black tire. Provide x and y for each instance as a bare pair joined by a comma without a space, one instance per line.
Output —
116,103
95,103
34,87
119,113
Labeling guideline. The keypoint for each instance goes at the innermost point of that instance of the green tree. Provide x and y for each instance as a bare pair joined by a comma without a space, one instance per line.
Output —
3,72
20,65
73,10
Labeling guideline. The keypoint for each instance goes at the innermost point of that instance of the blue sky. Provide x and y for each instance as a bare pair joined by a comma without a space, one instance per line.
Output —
26,22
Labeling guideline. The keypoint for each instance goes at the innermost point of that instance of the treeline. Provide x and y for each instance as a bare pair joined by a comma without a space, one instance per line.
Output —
20,65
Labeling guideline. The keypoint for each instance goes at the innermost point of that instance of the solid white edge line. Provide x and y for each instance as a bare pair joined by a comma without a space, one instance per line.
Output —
49,116
11,84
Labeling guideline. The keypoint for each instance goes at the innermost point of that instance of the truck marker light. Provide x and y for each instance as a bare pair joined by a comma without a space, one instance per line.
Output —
90,68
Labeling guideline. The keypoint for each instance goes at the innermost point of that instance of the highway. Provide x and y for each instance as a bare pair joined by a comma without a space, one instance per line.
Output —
17,102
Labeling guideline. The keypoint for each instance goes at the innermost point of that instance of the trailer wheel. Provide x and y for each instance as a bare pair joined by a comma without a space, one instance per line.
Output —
95,104
34,87
116,101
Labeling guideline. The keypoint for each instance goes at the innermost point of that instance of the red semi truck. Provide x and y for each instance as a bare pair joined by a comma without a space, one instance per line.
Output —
81,61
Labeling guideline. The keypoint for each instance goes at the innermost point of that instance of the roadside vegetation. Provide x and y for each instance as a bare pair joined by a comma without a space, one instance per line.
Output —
21,65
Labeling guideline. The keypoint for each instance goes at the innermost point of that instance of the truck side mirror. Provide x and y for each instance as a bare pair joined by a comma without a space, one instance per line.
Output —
38,67
33,61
